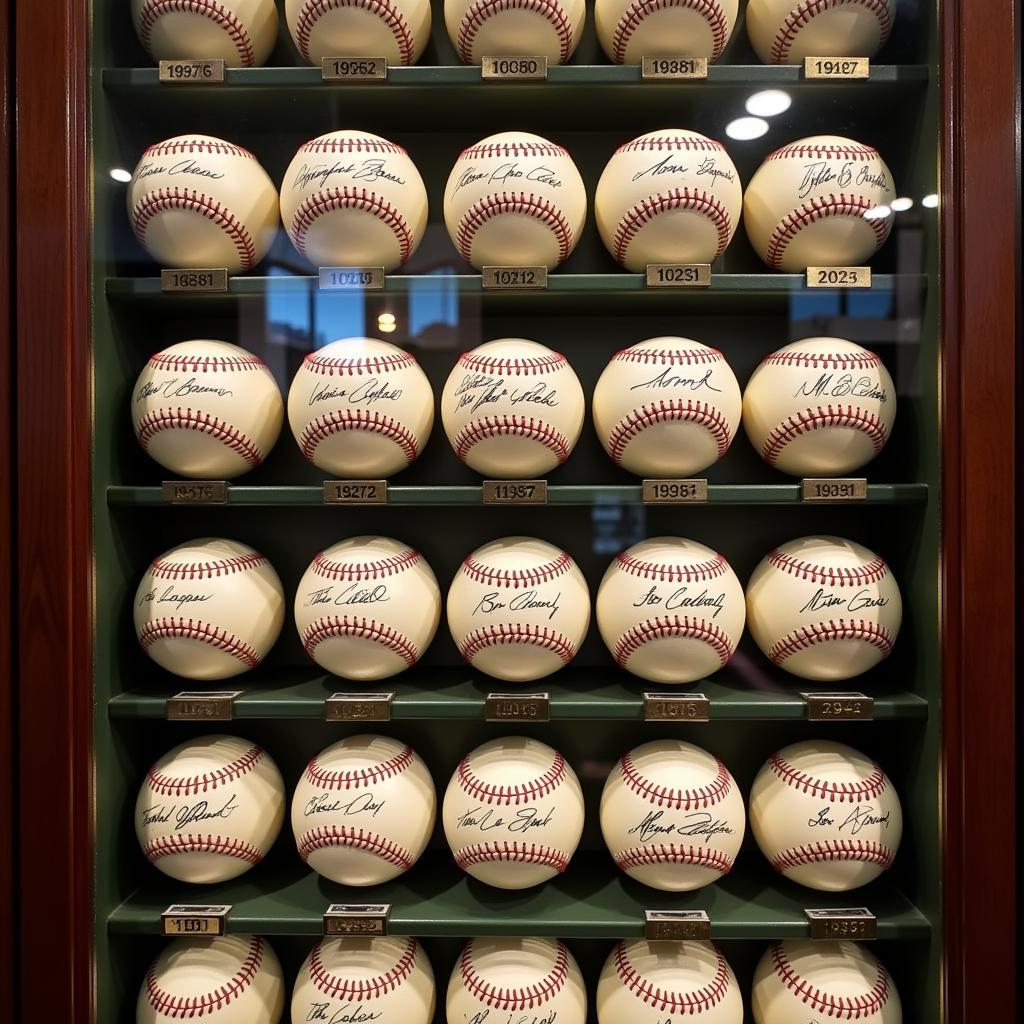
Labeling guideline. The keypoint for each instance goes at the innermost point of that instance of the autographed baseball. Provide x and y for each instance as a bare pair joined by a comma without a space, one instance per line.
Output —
667,407
239,32
825,816
515,199
388,980
352,199
197,201
209,609
786,31
512,408
367,608
630,30
397,30
210,809
819,407
513,813
824,608
232,979
360,408
518,609
819,202
672,816
363,810
798,982
207,409
514,28
654,982
671,196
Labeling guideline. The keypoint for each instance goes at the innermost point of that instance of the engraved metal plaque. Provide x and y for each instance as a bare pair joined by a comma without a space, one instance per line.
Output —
359,707
514,69
206,279
842,923
839,707
357,919
517,707
676,924
671,68
194,492
674,492
194,920
191,72
515,492
528,278
678,275
833,489
837,67
838,277
676,707
354,69
202,705
363,279
355,492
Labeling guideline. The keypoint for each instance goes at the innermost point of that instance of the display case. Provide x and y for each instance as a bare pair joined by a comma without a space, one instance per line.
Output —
937,503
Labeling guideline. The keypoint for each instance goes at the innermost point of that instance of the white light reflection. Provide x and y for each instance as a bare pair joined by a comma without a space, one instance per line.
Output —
120,174
879,212
746,128
768,103
930,201
901,204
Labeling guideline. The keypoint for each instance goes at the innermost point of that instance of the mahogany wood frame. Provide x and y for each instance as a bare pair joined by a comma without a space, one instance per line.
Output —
981,254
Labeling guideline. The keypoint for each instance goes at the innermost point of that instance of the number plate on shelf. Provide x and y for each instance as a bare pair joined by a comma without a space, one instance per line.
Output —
838,277
191,72
673,67
354,69
514,277
678,275
839,707
515,492
676,707
359,707
194,919
364,279
676,924
355,492
837,67
204,279
194,492
674,492
842,923
202,705
517,707
357,919
514,69
833,489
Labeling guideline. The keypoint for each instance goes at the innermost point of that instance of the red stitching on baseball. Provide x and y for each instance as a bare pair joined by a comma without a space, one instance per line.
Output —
823,632
672,626
491,149
314,206
526,998
153,10
177,147
668,356
822,789
191,785
521,793
341,420
519,365
317,362
842,1007
837,849
831,575
207,1002
702,413
329,836
647,143
515,634
821,209
489,207
483,10
520,853
382,9
697,1001
348,144
652,207
356,778
364,629
158,420
510,426
199,363
669,853
162,570
863,360
375,570
638,10
700,797
801,150
365,987
491,576
819,419
169,846
806,12
193,629
673,572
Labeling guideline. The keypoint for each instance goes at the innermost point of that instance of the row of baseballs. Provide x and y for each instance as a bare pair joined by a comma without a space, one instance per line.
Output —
823,814
670,610
237,979
352,199
243,32
513,408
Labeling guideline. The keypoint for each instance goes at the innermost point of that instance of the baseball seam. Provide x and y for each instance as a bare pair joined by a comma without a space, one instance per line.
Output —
315,206
823,789
356,778
482,11
510,426
664,626
328,836
178,147
375,570
672,572
525,998
231,437
520,853
204,633
806,637
818,151
486,150
837,849
191,785
521,793
670,853
516,578
153,10
651,207
821,209
842,1007
701,413
824,360
637,11
340,421
334,626
699,797
169,846
666,1001
349,144
650,143
363,987
822,418
386,12
535,207
834,576
803,14
204,364
667,356
318,363
162,570
526,366
516,634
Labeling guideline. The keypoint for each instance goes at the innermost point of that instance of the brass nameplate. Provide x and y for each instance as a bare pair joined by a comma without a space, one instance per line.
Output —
363,279
839,707
529,278
357,919
514,69
833,488
194,492
205,279
674,492
669,68
191,72
517,707
359,707
676,707
354,69
355,492
202,705
676,924
515,492
194,920
678,275
838,277
842,923
837,67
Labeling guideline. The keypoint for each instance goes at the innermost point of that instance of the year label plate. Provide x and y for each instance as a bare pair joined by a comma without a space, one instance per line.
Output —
204,279
674,492
839,707
676,707
191,72
194,919
517,707
837,67
838,277
354,69
357,919
515,492
678,275
676,924
514,69
194,492
355,492
842,923
529,278
363,279
834,489
669,68
359,707
202,705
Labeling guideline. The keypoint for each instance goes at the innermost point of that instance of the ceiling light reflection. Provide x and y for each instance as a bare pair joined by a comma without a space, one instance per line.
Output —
768,103
745,128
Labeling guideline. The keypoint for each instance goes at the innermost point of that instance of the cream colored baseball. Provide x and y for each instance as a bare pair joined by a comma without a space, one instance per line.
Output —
360,408
656,982
517,980
352,199
210,809
670,610
787,31
513,813
514,28
630,30
825,815
367,608
670,196
207,409
232,979
209,609
797,982
518,609
363,810
822,201
239,32
824,608
512,408
515,199
819,407
197,201
672,816
388,980
397,30
667,407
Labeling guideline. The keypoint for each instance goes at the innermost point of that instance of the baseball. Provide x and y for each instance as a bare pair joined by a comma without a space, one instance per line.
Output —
521,980
819,202
352,199
670,196
803,981
207,409
672,816
515,199
360,408
630,30
210,809
232,979
514,28
197,201
363,810
670,610
367,608
518,609
397,30
359,978
239,32
209,609
512,408
825,816
655,982
667,407
824,608
819,407
786,31
513,813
